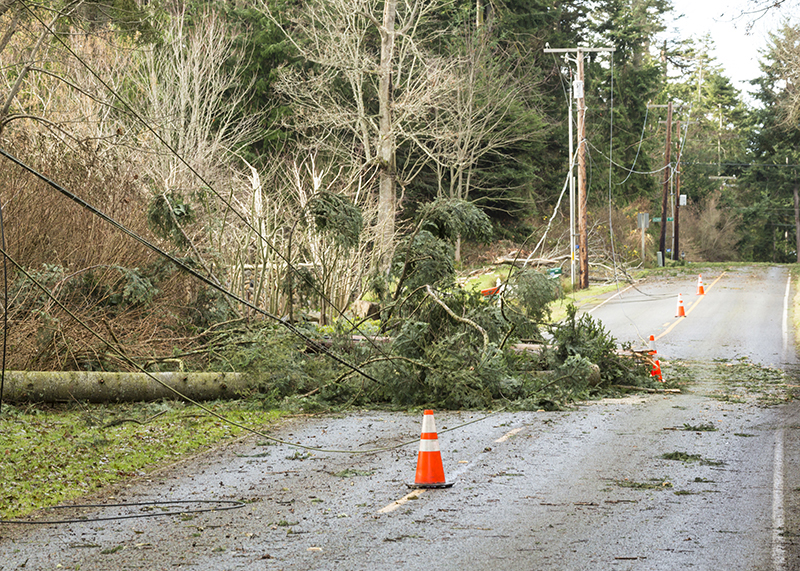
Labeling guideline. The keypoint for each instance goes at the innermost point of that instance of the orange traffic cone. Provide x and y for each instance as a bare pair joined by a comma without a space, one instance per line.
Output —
680,312
651,348
700,290
656,372
430,471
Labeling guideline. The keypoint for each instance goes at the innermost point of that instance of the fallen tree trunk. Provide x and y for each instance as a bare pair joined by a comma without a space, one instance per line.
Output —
64,386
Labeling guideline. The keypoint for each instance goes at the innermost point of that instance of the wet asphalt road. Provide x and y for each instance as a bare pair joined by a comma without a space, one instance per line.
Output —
582,489
743,314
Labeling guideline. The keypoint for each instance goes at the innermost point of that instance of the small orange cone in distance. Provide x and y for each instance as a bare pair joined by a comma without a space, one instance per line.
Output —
680,312
430,471
700,289
651,348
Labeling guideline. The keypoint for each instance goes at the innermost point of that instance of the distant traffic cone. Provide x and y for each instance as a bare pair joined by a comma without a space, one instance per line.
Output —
430,471
651,347
656,372
680,312
700,290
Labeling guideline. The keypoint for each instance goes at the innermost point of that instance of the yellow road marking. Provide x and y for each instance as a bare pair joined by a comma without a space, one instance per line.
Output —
509,434
397,503
688,311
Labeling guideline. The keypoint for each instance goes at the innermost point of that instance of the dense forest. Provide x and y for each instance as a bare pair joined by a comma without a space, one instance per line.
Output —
174,172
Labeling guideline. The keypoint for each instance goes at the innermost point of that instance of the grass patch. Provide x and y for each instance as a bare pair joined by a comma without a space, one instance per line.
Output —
686,457
682,457
56,453
707,427
654,484
739,381
351,473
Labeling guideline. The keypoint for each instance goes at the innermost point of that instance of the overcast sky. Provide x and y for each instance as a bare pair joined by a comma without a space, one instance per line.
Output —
737,50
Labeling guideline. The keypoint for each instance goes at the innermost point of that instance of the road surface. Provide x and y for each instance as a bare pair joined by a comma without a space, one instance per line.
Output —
699,480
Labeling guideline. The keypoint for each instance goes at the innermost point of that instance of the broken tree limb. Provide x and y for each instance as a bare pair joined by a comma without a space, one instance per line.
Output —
522,261
469,322
645,389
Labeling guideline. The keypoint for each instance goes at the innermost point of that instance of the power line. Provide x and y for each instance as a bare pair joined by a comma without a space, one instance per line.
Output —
182,265
200,177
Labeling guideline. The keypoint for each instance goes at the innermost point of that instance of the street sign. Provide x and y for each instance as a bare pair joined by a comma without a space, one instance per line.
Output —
656,218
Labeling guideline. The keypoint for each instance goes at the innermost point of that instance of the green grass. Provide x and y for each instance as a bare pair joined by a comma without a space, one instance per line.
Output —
686,457
53,454
654,484
706,427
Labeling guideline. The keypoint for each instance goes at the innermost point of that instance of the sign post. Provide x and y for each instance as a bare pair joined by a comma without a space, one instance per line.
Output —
643,219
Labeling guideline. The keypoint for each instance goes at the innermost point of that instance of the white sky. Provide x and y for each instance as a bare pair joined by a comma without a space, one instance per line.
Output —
737,50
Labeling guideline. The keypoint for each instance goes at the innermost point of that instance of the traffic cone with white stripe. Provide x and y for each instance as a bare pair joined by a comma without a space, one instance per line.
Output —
700,289
680,312
430,471
651,347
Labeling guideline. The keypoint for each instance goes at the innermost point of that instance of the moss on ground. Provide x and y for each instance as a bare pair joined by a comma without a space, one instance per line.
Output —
54,454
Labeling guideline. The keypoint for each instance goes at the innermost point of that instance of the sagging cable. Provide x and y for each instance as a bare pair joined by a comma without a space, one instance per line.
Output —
209,282
191,169
204,408
221,505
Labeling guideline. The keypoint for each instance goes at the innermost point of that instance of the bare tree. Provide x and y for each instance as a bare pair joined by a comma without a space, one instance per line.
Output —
28,62
484,110
192,93
360,91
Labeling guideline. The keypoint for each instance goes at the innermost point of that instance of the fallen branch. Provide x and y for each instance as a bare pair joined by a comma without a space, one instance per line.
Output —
469,322
645,389
522,262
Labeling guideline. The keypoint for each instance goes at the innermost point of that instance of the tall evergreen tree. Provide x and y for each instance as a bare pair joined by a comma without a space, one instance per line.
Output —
768,203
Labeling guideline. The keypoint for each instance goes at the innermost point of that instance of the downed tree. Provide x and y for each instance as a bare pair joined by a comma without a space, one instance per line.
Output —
65,386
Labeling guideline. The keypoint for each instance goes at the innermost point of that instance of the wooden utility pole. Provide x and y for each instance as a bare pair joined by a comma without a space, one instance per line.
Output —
667,176
583,214
677,226
583,217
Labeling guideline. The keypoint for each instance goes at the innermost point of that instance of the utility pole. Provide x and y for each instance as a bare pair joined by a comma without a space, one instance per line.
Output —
667,177
583,215
676,222
572,192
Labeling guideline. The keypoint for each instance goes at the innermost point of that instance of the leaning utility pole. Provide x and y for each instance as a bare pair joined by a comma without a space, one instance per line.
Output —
583,216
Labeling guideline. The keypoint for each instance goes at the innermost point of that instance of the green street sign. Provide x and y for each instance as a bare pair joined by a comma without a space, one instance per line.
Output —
656,218
670,219
553,273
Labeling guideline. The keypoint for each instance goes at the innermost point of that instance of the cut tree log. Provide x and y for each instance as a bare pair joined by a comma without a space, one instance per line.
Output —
65,386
